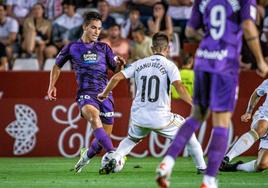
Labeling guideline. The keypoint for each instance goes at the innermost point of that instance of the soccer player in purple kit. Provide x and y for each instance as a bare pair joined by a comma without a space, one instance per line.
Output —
90,60
216,77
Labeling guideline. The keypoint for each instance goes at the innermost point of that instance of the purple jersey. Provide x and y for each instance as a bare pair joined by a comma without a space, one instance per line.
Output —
221,20
90,62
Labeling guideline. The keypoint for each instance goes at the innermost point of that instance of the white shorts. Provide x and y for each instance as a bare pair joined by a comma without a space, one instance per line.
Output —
264,142
259,115
138,132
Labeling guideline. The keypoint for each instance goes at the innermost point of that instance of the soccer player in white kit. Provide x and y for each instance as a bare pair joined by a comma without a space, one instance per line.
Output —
151,109
259,130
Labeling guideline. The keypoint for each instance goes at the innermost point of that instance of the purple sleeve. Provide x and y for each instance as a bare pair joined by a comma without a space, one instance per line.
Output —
195,20
248,10
63,56
110,58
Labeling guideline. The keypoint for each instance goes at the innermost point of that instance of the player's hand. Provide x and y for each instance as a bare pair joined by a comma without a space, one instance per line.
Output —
52,93
246,117
101,97
262,70
120,61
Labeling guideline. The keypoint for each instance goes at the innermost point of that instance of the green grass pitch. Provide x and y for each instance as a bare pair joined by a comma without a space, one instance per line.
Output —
55,172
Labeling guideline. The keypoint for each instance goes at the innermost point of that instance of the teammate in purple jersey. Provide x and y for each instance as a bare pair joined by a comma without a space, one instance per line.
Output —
90,60
216,77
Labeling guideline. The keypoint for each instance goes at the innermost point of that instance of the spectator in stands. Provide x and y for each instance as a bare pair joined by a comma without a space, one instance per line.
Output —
145,7
19,9
107,20
53,8
3,58
160,20
119,45
118,9
180,12
187,75
131,23
36,33
141,47
9,28
66,28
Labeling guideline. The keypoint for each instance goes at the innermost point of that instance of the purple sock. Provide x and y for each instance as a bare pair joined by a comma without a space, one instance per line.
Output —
102,137
94,149
216,150
182,137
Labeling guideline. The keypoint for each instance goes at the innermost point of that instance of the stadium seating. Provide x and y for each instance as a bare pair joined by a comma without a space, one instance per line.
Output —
26,64
50,62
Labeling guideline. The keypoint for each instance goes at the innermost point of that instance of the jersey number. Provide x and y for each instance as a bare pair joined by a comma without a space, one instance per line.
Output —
217,21
152,79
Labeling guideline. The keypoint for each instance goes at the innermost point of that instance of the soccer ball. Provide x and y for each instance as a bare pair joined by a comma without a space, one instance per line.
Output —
112,155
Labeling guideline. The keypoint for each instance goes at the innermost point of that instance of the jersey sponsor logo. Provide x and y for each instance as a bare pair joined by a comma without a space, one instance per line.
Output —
217,55
107,114
90,57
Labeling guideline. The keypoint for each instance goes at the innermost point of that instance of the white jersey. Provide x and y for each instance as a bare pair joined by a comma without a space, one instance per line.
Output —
153,76
261,91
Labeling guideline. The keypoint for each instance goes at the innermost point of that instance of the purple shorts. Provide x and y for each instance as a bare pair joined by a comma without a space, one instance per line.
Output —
215,91
106,107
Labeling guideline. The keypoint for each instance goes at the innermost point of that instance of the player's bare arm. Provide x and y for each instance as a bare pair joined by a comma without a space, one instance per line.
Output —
182,91
191,33
254,99
111,85
54,75
252,38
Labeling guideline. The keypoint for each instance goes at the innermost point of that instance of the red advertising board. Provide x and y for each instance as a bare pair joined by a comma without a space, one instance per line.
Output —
30,125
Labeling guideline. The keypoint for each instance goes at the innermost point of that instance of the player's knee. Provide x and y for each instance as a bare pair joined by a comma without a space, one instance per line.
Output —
262,165
260,131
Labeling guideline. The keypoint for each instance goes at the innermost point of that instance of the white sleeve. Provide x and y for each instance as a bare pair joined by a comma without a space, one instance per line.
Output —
173,73
14,26
263,88
129,71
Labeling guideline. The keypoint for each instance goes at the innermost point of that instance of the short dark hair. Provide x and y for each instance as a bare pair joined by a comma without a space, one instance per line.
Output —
89,16
115,25
160,41
68,2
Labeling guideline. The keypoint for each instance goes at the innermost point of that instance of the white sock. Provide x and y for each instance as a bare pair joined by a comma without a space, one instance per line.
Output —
196,152
242,145
169,161
209,180
248,167
125,147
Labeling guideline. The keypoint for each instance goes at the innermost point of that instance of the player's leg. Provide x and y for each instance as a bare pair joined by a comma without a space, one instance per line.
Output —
252,166
223,94
259,129
197,154
95,147
217,147
91,113
135,135
199,114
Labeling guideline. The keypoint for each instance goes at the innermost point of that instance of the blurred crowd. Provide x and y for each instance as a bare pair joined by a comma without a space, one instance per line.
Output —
40,28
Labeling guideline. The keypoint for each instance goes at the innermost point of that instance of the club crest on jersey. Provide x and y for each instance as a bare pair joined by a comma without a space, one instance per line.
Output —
90,57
